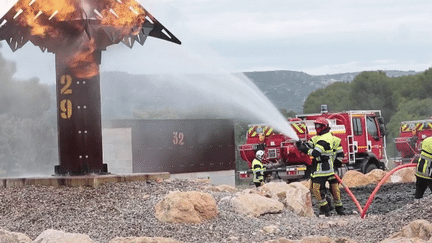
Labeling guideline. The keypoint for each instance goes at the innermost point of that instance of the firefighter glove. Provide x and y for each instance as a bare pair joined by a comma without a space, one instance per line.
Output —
302,147
337,163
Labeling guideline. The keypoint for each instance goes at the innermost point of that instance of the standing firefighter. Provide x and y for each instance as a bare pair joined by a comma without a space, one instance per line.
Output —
424,169
327,154
258,169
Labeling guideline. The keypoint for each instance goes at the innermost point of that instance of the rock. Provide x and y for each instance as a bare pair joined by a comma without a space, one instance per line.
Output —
281,240
12,237
276,190
354,178
299,199
202,181
271,229
221,188
317,239
306,183
404,175
56,236
420,229
314,239
376,175
404,240
143,240
186,207
254,205
325,239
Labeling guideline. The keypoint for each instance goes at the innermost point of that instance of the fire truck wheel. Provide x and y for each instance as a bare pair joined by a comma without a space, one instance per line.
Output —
370,167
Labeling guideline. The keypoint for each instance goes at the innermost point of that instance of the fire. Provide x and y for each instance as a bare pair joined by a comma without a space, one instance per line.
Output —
126,13
84,63
31,11
64,21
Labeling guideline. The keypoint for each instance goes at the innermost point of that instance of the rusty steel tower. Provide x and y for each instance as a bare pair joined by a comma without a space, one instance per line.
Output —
77,31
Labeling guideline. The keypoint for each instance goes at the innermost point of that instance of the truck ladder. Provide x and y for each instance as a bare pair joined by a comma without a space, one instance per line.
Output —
351,149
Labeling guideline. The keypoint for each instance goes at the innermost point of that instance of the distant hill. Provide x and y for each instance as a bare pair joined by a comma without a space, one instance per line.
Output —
123,92
289,89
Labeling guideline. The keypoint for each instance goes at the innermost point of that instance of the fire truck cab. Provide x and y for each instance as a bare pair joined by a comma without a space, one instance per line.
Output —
362,135
411,134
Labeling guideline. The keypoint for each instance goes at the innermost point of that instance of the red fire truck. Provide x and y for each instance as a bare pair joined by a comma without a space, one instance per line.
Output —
411,134
362,136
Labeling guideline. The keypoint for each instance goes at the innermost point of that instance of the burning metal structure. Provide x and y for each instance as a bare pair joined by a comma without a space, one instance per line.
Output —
77,31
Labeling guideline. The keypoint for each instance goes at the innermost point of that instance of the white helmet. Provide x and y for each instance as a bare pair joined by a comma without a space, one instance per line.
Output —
259,154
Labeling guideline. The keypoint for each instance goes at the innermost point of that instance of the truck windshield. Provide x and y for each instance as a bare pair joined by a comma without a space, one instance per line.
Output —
371,127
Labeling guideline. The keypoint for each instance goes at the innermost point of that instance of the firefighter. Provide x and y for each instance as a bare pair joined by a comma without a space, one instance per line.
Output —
424,169
258,169
327,152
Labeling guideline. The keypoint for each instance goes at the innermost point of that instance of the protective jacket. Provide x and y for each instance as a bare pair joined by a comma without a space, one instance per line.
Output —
424,169
324,149
258,170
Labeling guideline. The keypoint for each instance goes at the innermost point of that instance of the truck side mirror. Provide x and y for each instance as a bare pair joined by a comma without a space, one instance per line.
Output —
381,125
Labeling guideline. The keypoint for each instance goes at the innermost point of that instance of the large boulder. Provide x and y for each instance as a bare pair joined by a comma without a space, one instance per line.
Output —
276,190
299,199
354,178
254,205
416,230
186,207
404,175
376,175
56,236
143,240
306,183
405,240
6,236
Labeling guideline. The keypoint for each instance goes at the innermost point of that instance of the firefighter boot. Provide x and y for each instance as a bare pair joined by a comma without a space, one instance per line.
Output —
325,210
340,210
329,203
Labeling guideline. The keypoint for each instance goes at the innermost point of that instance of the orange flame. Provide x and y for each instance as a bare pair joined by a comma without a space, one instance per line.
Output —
84,64
30,10
127,13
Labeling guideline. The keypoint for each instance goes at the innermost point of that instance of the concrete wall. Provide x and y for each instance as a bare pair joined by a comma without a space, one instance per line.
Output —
226,177
117,154
117,149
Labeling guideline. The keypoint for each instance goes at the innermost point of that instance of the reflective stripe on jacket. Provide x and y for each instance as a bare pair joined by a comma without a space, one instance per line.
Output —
324,150
424,163
258,170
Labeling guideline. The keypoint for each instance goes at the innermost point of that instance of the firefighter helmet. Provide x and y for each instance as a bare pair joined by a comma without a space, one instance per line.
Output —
321,125
259,155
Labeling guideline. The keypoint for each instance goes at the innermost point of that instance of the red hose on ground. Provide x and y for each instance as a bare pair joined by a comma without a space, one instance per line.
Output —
371,197
350,194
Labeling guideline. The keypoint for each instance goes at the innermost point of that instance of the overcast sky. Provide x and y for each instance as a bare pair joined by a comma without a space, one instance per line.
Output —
314,36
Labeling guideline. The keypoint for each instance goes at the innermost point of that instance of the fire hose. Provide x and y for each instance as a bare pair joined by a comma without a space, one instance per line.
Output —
371,197
383,180
350,194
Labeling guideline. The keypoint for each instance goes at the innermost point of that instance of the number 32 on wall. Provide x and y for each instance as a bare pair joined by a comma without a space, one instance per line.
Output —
178,138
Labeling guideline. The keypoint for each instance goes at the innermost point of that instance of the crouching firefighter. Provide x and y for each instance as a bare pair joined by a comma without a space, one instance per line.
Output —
326,151
258,169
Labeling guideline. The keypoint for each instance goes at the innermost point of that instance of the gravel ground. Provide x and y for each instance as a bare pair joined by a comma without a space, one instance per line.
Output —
127,209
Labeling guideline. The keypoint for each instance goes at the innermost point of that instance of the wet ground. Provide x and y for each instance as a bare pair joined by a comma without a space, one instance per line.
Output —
389,197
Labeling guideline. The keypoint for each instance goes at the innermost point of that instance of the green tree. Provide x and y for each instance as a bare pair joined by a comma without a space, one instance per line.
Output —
286,113
335,96
372,91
